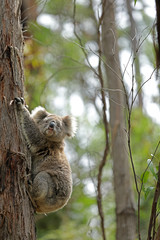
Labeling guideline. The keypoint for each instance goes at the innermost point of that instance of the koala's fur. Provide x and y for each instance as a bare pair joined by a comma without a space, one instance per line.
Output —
51,185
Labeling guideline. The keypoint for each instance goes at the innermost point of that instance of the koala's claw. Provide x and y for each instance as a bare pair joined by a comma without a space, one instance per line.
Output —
19,100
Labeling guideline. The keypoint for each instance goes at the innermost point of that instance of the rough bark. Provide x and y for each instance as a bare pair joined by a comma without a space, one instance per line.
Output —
16,212
125,207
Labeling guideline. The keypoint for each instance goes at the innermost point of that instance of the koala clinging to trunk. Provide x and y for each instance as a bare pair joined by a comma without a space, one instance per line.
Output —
51,185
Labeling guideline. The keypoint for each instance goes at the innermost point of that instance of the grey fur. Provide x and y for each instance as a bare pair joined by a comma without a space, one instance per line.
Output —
44,133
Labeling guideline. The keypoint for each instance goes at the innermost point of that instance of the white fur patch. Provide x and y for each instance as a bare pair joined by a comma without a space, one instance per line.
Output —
36,110
73,126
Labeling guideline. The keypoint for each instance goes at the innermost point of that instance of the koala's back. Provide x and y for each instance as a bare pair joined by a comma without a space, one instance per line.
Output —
59,182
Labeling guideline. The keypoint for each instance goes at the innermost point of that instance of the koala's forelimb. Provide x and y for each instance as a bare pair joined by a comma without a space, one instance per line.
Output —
30,130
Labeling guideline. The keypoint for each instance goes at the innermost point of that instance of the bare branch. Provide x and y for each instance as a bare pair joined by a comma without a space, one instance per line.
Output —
143,85
104,109
151,229
106,150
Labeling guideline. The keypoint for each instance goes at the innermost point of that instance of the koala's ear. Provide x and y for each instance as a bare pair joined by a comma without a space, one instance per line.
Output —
70,124
39,113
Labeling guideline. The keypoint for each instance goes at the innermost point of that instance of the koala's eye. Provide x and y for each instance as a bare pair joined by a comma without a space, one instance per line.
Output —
52,124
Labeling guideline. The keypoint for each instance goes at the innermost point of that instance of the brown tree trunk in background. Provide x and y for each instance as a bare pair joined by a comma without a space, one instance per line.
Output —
16,212
157,47
125,207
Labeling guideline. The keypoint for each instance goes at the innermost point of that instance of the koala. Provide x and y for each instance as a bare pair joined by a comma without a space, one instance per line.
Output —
51,181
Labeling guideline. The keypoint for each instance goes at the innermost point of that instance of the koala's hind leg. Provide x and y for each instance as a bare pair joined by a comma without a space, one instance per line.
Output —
42,186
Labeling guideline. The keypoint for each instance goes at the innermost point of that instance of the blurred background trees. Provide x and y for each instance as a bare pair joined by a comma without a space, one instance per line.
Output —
97,62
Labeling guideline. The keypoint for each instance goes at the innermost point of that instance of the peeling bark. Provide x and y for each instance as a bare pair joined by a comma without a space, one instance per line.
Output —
16,212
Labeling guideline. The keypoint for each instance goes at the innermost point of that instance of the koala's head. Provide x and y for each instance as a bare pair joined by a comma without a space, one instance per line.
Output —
53,127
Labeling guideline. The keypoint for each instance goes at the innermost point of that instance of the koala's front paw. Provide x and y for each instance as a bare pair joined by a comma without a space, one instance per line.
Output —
19,103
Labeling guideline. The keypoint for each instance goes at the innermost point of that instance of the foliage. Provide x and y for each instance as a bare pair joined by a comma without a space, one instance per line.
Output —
145,138
135,2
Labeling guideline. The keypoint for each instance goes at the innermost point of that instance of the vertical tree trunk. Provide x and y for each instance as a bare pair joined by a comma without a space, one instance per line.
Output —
157,45
125,207
16,212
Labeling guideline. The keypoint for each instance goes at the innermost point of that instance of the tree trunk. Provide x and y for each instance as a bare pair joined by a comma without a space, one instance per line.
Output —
16,212
157,45
125,207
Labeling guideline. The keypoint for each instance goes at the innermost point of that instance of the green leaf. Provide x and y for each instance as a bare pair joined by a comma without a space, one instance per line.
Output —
148,190
145,176
151,168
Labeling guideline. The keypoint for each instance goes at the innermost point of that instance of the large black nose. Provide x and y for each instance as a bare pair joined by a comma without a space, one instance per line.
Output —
52,124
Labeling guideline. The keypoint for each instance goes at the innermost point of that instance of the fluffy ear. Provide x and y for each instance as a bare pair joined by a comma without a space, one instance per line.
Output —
39,113
70,124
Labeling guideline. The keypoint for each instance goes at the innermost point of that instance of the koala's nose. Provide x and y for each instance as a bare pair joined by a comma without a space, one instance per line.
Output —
52,124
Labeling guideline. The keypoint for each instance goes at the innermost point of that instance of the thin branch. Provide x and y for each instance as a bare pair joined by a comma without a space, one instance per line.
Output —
130,151
143,85
79,39
106,150
130,107
158,233
104,108
151,228
142,179
141,43
134,171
